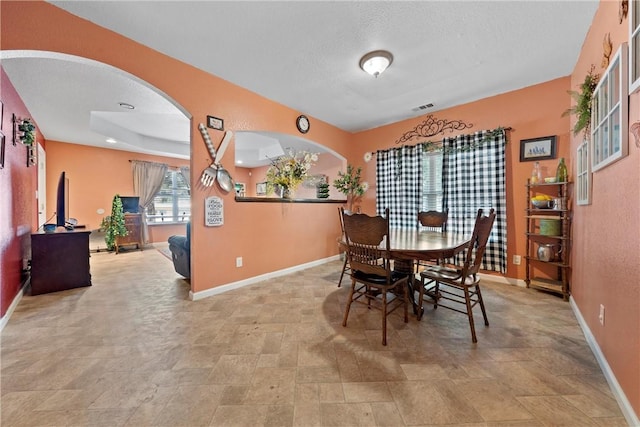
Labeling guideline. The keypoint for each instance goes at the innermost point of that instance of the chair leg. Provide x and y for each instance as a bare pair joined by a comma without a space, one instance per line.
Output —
467,300
405,295
384,317
436,295
344,267
484,313
350,300
421,300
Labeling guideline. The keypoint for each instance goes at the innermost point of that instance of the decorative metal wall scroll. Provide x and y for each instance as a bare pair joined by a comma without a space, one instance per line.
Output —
432,126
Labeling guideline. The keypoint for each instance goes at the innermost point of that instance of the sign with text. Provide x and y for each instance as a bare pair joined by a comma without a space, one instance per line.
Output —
213,211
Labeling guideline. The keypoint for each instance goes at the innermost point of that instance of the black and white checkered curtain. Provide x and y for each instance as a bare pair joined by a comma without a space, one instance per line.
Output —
474,177
399,184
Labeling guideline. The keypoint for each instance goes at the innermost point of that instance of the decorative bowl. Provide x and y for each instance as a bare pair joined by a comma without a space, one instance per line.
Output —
550,180
49,228
542,204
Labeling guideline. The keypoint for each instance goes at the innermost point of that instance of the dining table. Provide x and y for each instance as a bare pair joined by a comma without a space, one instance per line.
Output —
412,244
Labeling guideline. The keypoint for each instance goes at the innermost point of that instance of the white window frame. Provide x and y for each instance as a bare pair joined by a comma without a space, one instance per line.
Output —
610,108
432,174
583,175
634,45
176,217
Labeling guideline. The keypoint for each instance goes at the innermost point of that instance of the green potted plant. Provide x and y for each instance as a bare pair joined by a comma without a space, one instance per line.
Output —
27,128
350,185
114,225
584,101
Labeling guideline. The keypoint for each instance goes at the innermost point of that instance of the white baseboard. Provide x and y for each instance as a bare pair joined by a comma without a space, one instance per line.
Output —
503,280
12,307
623,402
194,296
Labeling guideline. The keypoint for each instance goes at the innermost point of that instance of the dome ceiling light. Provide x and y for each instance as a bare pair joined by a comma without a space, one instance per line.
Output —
376,62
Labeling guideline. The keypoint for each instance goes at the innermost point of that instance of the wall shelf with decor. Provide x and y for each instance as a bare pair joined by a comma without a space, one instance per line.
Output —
548,237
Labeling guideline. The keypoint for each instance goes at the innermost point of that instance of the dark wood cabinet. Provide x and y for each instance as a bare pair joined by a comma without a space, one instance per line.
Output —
59,261
133,223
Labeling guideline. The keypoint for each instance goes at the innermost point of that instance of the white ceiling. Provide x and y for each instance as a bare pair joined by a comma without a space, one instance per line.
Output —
305,54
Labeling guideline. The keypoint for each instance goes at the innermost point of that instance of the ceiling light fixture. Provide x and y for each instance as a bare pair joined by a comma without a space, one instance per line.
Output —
376,62
127,106
111,140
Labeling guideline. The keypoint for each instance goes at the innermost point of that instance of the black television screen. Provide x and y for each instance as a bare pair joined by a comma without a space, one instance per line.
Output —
130,204
62,200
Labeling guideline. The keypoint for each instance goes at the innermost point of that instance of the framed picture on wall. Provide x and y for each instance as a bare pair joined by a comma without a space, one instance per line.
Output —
261,189
543,148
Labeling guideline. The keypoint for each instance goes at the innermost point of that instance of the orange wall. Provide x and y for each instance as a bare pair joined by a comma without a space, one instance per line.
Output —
273,236
18,205
531,112
606,243
36,25
95,176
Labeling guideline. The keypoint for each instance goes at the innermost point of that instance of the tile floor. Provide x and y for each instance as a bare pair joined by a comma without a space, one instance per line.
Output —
132,350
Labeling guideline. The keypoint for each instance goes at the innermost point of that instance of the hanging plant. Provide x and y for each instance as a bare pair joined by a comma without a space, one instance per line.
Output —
28,129
584,101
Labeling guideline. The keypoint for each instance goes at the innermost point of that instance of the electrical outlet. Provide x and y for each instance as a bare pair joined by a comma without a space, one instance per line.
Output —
601,316
517,259
239,261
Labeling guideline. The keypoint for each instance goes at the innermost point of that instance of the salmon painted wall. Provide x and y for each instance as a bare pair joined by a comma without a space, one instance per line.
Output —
18,205
251,230
606,233
95,176
531,112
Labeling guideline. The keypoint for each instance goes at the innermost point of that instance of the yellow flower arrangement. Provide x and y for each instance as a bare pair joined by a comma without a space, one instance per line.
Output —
289,170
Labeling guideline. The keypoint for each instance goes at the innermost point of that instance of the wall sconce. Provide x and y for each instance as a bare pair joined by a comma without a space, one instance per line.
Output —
376,62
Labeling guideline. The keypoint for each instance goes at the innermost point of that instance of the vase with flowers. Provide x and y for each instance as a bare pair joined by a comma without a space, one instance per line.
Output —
288,171
350,184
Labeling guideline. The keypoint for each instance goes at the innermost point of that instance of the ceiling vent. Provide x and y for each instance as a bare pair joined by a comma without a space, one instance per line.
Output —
422,107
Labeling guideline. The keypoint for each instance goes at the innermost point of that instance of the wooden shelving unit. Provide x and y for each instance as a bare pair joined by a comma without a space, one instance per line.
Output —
552,275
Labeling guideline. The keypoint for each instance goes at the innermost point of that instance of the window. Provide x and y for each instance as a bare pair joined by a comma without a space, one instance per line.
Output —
610,113
432,181
583,183
634,46
173,202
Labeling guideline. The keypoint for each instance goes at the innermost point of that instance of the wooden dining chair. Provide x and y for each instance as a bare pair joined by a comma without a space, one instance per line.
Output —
372,280
455,287
434,221
343,248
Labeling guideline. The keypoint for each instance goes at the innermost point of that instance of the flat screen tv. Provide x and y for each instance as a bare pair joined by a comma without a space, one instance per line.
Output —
130,204
62,200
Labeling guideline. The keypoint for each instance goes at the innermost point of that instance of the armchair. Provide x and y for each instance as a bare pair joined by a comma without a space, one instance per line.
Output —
180,247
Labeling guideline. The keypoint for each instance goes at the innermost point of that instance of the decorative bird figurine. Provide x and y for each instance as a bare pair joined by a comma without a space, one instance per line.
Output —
607,47
635,131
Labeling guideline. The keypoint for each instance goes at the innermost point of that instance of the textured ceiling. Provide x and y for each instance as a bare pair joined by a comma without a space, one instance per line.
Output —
305,54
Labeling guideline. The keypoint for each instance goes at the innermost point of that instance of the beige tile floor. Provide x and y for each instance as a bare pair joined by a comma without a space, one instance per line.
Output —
132,350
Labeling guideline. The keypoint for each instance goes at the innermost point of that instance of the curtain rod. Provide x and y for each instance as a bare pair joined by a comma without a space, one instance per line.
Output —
170,166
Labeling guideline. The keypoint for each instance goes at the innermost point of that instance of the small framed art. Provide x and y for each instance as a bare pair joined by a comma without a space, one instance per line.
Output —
215,123
261,189
538,148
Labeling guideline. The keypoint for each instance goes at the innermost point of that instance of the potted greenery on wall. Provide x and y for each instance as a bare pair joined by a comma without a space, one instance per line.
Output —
584,101
114,225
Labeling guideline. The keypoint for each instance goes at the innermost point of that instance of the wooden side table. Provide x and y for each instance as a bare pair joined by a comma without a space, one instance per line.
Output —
133,223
